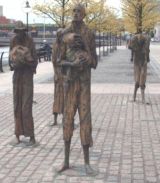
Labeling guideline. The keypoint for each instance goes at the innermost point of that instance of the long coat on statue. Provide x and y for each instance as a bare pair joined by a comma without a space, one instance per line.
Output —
140,57
24,65
58,81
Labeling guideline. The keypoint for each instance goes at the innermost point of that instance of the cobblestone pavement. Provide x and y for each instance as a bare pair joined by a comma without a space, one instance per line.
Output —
126,135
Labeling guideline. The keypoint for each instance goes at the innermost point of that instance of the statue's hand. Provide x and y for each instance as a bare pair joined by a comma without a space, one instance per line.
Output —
83,58
66,63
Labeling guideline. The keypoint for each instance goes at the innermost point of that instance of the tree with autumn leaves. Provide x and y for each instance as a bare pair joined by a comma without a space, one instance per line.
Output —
98,15
56,10
140,15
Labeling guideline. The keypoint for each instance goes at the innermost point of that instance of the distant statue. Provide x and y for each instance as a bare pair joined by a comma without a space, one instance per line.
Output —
23,61
140,47
130,46
148,41
58,102
78,56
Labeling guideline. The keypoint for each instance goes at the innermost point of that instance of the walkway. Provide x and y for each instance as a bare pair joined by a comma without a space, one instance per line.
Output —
126,135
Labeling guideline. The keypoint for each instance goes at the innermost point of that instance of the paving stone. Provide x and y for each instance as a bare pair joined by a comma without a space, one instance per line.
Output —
125,134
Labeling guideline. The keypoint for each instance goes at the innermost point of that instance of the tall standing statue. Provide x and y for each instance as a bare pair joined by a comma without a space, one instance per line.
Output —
129,46
76,69
148,40
58,77
23,62
140,49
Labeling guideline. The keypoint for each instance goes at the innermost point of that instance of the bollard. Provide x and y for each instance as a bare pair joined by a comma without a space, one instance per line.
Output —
1,58
99,45
110,42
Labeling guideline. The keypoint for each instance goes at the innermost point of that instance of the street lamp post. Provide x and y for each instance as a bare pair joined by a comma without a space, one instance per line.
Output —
27,9
99,35
44,29
44,26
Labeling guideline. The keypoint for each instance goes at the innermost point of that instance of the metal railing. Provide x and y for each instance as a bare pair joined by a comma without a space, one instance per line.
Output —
105,44
4,60
41,54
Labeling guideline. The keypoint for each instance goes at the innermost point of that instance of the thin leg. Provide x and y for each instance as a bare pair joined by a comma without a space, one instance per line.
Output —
135,92
88,168
66,159
18,140
32,141
143,95
55,119
86,154
131,55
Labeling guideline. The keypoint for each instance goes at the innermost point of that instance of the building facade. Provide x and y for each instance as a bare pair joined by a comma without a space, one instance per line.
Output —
1,10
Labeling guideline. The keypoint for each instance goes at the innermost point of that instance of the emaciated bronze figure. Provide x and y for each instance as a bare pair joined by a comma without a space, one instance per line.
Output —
23,62
140,47
58,103
76,68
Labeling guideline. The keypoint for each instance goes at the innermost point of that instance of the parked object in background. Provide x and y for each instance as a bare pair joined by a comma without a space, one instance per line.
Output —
3,34
45,52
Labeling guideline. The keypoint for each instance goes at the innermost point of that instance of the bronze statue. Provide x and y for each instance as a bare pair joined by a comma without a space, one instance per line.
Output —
140,49
76,68
129,40
58,78
148,41
23,62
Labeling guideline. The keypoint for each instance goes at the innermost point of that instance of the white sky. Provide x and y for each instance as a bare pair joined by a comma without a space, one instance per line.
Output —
13,9
115,3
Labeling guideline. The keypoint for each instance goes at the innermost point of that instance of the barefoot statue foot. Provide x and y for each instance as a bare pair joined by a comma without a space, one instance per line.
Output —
31,142
90,171
55,119
53,124
64,168
16,141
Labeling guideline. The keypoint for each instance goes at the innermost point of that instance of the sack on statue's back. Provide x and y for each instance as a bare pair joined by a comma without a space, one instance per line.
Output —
130,44
19,55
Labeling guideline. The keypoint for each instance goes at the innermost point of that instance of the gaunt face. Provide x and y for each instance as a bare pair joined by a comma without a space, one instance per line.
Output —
20,33
78,14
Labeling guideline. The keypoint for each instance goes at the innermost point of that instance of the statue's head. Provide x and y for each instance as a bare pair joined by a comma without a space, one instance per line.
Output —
59,35
79,12
20,27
